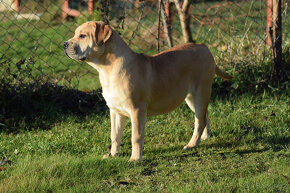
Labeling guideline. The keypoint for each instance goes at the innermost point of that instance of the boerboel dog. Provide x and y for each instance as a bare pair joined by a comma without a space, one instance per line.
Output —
136,85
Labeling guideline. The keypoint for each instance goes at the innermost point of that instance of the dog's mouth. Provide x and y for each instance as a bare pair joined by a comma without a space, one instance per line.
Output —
66,53
75,57
83,59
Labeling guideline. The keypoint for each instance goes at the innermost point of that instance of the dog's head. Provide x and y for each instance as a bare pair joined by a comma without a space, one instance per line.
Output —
90,39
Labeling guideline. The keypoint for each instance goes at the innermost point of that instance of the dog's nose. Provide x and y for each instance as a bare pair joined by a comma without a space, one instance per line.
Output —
65,45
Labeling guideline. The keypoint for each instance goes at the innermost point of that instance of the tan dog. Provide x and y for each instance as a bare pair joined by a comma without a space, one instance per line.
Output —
135,85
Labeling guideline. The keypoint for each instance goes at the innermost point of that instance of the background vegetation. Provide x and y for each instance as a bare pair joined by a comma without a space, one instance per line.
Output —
55,128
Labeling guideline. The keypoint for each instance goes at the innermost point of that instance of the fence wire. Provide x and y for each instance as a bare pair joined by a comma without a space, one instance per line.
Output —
32,33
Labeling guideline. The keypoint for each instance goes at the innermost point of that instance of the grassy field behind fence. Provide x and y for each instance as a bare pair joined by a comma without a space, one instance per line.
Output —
52,138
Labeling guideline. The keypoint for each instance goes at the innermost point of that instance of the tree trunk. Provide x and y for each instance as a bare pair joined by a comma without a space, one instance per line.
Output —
183,12
166,24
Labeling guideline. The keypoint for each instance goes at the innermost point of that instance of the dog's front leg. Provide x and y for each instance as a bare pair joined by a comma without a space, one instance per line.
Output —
138,119
117,128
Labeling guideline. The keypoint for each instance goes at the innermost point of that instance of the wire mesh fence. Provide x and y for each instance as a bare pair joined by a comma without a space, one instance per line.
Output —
32,33
38,82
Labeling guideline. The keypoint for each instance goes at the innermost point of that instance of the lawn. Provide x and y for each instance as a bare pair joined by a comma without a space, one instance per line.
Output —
247,152
55,127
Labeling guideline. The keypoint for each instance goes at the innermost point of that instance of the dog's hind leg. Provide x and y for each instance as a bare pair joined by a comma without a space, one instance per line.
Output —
198,103
206,132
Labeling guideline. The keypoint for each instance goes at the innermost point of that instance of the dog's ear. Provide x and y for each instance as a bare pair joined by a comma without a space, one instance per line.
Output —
103,33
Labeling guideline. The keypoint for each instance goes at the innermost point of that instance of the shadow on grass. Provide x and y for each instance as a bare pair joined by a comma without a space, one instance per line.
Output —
38,106
278,143
275,143
222,147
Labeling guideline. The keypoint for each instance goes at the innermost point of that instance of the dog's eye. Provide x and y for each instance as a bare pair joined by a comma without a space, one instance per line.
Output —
82,36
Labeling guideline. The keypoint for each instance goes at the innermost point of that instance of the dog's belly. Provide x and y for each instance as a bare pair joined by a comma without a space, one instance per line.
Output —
167,94
160,105
166,103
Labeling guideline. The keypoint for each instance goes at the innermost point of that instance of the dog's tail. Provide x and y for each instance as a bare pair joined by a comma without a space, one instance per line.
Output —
222,74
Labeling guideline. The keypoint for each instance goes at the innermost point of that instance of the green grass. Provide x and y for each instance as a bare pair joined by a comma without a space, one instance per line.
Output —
247,152
54,146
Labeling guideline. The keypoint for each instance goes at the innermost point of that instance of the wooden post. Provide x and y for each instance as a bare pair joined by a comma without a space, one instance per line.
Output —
90,6
64,7
269,21
166,25
183,12
277,38
168,11
67,11
17,5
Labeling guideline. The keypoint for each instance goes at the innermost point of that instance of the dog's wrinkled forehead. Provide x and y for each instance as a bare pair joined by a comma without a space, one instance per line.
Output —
86,28
98,30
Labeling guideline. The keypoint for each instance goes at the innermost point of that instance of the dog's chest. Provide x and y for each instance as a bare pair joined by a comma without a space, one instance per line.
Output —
116,100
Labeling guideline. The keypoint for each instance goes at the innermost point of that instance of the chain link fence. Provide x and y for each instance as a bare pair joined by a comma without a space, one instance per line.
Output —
37,78
33,35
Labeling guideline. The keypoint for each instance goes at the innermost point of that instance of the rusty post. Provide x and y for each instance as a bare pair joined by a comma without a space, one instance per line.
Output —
90,6
67,11
168,11
64,7
269,21
17,5
166,28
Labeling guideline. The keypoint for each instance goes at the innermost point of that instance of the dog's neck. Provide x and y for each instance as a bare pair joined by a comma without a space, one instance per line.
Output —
114,56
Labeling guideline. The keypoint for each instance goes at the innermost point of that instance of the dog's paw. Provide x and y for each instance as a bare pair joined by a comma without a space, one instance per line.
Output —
135,159
187,148
204,137
106,156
